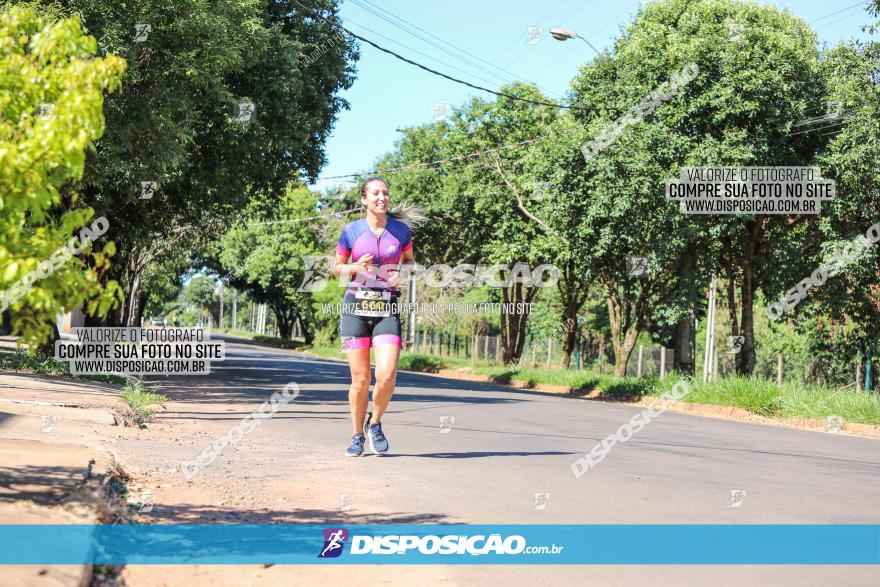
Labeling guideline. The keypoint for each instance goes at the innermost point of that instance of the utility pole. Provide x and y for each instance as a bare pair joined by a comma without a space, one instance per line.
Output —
220,321
710,332
411,314
234,308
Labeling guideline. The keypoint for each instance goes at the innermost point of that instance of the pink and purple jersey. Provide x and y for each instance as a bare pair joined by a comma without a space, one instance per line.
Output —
358,240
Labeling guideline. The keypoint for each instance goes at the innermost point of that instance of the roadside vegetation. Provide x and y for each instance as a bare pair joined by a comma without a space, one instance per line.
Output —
140,402
43,364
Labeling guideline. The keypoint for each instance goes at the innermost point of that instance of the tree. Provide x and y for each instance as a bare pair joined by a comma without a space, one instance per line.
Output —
479,206
51,101
200,292
269,260
173,122
737,111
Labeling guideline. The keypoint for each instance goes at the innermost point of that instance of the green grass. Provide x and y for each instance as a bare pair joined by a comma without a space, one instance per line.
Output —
37,362
140,400
272,341
764,397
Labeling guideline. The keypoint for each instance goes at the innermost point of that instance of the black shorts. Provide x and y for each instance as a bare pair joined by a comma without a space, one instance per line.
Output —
360,331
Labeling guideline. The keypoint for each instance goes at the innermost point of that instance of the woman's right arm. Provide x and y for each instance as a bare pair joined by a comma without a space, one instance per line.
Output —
344,270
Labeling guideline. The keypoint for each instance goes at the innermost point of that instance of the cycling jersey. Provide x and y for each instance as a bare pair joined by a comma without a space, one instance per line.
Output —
387,248
370,316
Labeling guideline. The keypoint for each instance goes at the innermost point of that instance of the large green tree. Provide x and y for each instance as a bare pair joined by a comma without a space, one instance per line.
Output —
175,119
739,110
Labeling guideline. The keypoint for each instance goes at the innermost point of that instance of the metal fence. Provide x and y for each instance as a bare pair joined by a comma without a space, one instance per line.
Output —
645,360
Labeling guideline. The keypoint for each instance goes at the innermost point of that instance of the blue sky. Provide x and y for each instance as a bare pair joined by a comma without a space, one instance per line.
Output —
390,94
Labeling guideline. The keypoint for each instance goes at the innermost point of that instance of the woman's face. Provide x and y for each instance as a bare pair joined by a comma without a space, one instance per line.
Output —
376,197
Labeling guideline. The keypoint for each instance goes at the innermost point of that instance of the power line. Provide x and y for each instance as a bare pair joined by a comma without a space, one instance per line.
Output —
372,9
819,128
833,22
416,51
303,219
838,12
443,75
431,163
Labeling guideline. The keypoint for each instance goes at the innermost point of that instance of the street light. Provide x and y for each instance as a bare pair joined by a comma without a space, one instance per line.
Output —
561,34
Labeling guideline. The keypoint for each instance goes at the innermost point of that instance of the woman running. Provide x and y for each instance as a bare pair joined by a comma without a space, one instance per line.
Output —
377,245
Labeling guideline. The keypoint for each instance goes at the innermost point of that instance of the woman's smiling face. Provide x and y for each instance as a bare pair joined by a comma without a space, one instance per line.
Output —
375,197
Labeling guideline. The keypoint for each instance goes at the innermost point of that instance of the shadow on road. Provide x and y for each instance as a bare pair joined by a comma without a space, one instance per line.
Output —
198,514
480,454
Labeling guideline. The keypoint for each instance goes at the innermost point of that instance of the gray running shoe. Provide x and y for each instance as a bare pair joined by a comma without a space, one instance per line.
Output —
378,442
356,448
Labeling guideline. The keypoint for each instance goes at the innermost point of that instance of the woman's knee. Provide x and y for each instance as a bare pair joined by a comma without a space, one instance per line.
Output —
386,378
360,383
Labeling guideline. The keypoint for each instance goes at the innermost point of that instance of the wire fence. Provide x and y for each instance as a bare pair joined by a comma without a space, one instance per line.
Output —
645,360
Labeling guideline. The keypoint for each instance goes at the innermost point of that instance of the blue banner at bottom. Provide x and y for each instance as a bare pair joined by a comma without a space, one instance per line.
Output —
442,544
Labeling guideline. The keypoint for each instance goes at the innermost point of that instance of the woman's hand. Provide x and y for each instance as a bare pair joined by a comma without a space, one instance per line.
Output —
364,265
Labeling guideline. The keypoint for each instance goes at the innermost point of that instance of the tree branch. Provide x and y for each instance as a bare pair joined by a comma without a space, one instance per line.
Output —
519,201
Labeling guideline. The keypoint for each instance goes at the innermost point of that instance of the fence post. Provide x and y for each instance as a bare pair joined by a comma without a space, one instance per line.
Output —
549,352
498,349
780,367
486,347
868,370
714,365
455,343
601,357
474,349
577,353
662,362
858,372
639,367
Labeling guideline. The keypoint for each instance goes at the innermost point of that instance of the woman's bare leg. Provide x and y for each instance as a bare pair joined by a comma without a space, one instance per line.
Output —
386,375
358,393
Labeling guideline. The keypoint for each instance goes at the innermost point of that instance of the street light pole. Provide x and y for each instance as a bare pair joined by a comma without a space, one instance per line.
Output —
561,34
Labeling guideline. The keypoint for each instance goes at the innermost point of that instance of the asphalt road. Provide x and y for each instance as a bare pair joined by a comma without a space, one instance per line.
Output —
504,447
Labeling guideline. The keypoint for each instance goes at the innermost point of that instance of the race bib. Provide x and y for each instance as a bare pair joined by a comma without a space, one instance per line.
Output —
374,304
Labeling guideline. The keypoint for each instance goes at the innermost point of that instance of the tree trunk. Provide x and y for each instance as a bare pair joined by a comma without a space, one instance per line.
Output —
284,322
683,359
513,326
573,288
624,333
133,305
746,358
731,303
569,331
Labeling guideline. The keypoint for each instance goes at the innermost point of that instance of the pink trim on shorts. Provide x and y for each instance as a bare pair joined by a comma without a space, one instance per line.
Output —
387,339
351,343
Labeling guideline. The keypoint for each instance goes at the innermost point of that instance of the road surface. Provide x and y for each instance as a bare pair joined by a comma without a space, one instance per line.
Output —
504,447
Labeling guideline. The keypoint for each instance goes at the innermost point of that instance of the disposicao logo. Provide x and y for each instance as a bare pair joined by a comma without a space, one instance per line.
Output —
334,541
